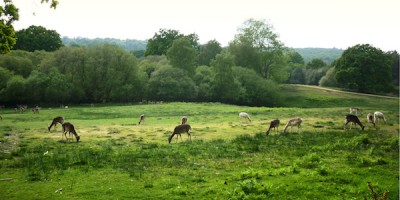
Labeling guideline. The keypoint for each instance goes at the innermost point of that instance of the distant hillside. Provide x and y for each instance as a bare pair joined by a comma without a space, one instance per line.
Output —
129,44
325,54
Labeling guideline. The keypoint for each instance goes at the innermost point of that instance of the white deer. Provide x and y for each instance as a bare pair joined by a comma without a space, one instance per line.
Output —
379,115
244,115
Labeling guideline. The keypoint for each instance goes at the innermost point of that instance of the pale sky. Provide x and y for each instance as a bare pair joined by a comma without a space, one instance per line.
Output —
299,23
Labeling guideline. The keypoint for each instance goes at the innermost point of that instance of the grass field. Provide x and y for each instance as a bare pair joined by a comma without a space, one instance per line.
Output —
227,159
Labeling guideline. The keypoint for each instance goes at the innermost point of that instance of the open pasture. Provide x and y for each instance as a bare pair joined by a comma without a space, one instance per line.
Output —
227,158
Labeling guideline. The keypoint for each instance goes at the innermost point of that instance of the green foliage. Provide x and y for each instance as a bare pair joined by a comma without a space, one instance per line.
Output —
329,79
17,64
136,46
203,78
256,46
297,76
182,55
208,52
37,38
316,63
365,69
8,14
224,86
258,91
162,41
328,55
171,84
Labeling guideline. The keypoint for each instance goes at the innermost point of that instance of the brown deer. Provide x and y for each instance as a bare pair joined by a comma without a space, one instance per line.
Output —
68,127
353,119
141,119
56,120
184,120
370,119
294,122
35,110
183,128
273,124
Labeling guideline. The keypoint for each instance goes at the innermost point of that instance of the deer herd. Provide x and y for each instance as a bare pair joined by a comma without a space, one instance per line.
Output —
352,118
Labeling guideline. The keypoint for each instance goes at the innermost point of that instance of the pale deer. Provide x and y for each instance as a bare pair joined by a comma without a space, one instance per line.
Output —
355,111
183,128
272,125
379,115
68,127
353,119
141,119
56,120
184,120
244,115
294,122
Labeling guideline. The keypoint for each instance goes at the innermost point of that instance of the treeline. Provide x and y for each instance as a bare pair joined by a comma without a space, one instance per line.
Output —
107,73
128,44
175,67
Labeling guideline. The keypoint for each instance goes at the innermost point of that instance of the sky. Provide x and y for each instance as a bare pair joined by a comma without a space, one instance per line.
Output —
299,23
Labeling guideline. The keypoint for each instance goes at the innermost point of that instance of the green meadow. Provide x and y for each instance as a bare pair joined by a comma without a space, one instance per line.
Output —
227,158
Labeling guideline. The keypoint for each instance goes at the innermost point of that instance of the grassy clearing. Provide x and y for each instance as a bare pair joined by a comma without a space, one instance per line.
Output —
228,159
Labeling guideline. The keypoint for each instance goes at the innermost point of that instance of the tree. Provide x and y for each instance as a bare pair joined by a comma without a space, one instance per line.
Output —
37,38
395,67
257,91
365,69
316,63
171,84
8,14
17,64
224,86
182,55
162,41
208,52
256,46
203,79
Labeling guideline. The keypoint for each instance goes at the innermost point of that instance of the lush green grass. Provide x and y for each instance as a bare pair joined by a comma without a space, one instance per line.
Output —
227,159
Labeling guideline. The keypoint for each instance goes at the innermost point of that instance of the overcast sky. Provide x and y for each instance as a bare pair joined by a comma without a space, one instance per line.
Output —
299,23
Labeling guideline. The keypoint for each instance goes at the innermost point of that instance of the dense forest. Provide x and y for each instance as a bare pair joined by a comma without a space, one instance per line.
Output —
45,69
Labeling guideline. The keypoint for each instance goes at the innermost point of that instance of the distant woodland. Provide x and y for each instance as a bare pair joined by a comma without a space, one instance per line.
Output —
328,55
43,68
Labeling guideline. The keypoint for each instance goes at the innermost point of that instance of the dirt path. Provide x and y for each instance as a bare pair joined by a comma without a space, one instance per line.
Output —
333,90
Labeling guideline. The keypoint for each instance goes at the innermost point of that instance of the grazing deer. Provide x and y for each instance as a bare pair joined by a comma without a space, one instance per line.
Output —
183,128
35,110
353,119
55,121
273,124
184,120
244,115
379,115
21,108
355,111
370,119
68,127
141,119
294,122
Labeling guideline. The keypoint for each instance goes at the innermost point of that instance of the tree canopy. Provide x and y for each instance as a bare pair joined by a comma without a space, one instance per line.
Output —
365,69
257,46
37,38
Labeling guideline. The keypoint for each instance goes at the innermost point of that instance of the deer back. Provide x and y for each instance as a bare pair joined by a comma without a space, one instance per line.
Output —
183,128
